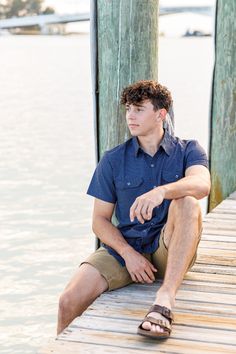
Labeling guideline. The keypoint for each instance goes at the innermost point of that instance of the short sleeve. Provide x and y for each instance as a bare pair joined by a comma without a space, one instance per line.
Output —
102,183
195,155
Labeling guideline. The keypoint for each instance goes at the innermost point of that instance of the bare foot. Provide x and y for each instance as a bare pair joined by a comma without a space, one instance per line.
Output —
162,299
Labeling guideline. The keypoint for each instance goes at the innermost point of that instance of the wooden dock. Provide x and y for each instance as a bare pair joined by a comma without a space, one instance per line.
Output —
205,311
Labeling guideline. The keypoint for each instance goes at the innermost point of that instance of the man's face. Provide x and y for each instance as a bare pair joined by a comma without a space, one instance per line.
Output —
142,120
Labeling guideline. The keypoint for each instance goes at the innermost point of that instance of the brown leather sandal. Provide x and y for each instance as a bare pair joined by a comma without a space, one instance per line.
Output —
166,325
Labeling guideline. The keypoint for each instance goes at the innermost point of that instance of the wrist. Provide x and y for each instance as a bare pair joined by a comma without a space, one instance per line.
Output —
125,250
162,190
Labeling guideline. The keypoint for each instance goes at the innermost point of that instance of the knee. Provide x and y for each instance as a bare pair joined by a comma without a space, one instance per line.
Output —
66,303
189,206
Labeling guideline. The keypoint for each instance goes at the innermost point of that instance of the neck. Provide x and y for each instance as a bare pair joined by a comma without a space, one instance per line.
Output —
150,144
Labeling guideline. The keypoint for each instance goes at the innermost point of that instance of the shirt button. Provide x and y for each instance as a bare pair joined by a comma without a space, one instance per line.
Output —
176,176
152,165
128,183
154,186
152,223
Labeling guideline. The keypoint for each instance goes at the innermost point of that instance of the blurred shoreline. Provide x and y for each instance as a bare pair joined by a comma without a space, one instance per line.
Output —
171,25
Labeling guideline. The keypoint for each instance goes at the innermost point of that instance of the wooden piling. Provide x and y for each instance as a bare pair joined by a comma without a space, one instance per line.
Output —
223,120
127,47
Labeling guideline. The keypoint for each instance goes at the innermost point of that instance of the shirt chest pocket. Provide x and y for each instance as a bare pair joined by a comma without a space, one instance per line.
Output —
129,189
170,176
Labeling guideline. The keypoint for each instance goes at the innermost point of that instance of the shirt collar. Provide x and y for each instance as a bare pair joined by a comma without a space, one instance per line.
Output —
167,143
136,145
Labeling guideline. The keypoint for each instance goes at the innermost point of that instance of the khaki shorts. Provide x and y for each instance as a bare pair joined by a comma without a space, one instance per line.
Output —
118,276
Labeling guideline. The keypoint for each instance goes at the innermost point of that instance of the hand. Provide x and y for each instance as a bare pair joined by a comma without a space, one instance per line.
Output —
143,206
139,268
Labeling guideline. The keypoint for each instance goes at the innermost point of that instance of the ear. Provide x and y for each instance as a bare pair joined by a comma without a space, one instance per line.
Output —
163,113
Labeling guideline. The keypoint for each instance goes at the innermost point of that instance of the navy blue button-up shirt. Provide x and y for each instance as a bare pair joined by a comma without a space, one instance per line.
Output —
126,172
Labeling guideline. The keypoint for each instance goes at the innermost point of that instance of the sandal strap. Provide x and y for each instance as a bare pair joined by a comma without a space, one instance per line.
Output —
164,311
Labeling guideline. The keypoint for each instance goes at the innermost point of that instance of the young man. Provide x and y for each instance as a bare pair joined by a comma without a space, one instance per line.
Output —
153,182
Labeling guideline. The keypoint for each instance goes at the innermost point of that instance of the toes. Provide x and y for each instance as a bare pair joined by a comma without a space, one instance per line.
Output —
157,329
152,327
146,325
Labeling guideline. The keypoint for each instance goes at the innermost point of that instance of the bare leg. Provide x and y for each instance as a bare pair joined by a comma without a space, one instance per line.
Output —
181,238
85,286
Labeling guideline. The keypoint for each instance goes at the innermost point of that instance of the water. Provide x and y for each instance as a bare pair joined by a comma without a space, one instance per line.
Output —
46,161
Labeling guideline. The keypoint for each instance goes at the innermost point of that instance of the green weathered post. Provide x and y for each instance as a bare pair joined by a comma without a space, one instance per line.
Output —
127,36
223,120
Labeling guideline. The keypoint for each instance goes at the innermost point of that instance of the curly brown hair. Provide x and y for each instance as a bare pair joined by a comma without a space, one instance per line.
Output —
143,90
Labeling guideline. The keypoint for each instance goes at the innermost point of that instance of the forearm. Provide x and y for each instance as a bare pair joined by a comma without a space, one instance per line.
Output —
110,235
194,186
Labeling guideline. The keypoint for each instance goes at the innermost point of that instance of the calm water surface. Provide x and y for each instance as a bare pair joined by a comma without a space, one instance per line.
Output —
47,158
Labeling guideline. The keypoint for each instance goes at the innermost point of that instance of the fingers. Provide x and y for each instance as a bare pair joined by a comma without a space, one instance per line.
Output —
139,267
141,209
149,211
142,278
132,213
139,213
150,270
145,276
137,278
152,267
133,277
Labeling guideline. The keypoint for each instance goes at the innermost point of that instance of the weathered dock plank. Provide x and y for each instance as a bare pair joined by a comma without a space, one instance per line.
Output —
173,346
205,309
